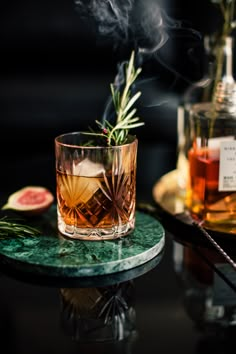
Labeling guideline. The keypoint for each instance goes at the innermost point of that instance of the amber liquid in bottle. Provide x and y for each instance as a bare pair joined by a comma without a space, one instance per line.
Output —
204,178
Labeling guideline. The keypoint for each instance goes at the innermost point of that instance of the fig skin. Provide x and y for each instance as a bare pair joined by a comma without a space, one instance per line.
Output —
30,201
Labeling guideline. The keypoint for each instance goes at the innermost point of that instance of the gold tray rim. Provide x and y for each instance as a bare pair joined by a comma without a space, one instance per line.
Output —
160,189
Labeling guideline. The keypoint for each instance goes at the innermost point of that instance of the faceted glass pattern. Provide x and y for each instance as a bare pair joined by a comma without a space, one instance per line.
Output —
96,188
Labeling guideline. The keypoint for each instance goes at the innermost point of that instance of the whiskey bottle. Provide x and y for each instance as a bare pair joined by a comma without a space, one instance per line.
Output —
211,192
198,92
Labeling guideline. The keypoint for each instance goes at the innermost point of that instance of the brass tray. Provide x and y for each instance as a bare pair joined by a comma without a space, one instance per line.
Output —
170,200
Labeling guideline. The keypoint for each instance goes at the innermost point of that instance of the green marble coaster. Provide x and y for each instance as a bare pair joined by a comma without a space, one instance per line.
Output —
51,254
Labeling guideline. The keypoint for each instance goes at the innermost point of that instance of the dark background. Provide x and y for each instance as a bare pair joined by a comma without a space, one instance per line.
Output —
54,77
55,74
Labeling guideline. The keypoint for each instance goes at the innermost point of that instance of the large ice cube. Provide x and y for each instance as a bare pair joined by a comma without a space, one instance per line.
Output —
88,168
83,187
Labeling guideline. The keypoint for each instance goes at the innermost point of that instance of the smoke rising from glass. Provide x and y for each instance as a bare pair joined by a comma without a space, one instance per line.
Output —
141,23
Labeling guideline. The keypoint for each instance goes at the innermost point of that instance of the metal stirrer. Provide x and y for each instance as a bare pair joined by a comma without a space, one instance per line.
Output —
188,219
215,244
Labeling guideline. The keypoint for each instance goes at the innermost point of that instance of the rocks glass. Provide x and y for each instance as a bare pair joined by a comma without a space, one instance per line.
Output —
96,187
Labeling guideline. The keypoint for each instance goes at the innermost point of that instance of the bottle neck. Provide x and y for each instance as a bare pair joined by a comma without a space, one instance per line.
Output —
227,61
224,98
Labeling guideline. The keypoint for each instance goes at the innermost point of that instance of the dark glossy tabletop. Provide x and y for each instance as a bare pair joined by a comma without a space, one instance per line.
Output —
178,300
167,306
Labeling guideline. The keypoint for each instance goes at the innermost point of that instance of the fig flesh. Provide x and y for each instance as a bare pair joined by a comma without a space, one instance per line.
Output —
31,200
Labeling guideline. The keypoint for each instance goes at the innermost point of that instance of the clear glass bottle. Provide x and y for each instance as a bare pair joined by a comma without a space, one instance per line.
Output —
211,192
198,92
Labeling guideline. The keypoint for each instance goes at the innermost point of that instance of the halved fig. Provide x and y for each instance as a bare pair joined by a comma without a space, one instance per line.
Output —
31,200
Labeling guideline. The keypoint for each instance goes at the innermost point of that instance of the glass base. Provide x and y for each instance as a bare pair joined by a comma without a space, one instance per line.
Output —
93,233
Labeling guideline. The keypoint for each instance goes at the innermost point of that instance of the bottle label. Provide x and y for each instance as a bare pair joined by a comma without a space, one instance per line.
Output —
227,168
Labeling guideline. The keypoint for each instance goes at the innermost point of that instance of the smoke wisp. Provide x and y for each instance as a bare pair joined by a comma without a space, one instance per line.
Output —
143,24
138,24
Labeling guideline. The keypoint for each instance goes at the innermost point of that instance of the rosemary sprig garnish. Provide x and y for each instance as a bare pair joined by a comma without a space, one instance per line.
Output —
123,102
15,229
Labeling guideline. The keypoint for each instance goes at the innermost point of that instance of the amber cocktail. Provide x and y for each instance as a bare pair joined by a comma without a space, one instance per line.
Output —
96,187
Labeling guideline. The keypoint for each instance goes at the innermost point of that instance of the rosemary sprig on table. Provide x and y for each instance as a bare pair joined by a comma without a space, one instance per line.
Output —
14,229
123,101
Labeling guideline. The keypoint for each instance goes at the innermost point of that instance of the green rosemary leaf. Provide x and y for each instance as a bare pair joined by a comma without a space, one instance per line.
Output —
130,66
115,97
99,123
121,134
130,115
131,126
113,93
131,102
137,73
132,120
95,134
108,124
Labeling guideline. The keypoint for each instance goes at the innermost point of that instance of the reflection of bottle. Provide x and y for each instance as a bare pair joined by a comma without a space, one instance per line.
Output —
212,156
208,299
99,314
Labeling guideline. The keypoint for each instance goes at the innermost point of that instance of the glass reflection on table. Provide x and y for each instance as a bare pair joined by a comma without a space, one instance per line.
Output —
99,313
102,309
